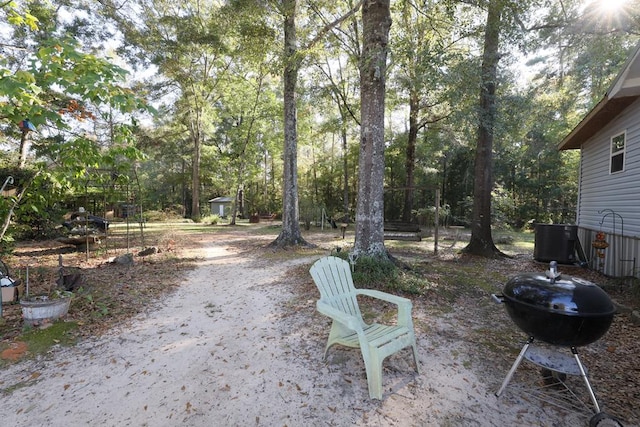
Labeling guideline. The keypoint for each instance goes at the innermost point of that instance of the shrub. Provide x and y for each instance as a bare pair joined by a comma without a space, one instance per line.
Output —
210,219
374,272
383,274
161,216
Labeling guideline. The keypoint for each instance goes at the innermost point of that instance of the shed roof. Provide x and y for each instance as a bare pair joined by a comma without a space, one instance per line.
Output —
221,199
624,90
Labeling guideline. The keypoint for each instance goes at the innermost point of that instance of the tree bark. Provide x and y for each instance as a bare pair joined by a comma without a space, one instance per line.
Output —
481,242
16,201
410,156
345,168
195,168
237,204
376,22
24,148
290,235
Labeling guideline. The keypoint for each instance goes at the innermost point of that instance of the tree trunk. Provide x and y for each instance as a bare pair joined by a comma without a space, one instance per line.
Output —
195,170
24,149
266,181
290,234
481,242
183,174
345,166
410,158
237,204
16,201
376,21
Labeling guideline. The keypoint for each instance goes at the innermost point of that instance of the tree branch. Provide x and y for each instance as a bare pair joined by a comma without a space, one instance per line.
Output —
330,26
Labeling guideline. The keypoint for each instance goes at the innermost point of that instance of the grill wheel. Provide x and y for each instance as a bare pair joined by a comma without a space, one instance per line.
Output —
604,420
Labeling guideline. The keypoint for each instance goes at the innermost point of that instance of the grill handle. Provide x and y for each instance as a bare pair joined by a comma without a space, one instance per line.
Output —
498,299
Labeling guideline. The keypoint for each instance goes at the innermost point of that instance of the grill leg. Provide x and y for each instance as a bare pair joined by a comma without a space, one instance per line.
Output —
514,367
583,374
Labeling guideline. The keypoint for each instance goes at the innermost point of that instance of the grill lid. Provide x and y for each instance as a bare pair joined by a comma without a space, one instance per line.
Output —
565,295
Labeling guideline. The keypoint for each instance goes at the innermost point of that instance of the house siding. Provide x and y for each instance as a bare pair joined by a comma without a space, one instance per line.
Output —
621,258
611,202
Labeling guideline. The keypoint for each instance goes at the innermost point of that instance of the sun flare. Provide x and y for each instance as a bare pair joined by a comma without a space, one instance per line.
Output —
610,6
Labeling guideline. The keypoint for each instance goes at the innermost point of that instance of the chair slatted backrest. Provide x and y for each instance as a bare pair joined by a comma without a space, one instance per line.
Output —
332,276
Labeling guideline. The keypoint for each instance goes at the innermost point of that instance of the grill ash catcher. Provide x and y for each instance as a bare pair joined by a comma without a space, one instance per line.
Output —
562,311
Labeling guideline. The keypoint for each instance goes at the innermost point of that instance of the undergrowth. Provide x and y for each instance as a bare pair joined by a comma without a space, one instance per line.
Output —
384,274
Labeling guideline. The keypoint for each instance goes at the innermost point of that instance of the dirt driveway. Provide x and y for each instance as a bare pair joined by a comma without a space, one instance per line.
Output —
238,344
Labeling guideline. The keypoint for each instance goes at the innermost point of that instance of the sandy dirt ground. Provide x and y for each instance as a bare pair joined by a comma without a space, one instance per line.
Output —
236,345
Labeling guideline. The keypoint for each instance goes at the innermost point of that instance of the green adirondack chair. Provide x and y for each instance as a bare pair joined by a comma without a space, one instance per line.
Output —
338,300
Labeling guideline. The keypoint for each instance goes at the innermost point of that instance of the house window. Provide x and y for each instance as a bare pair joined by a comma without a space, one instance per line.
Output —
617,152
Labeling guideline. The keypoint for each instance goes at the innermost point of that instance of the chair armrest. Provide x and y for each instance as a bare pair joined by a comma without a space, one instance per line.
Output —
394,299
349,321
404,304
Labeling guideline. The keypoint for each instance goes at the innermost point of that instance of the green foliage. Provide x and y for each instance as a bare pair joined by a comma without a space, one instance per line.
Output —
374,273
222,120
17,17
49,78
7,245
59,83
97,308
210,219
169,214
426,216
502,207
80,162
385,275
223,64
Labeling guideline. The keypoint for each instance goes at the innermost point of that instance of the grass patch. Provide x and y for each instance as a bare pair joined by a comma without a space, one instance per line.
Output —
512,242
39,341
153,230
445,277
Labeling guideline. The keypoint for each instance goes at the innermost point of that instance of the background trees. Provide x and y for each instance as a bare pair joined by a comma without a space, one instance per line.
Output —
214,72
65,113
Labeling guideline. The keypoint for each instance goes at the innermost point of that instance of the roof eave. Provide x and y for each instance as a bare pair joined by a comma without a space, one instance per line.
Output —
604,111
624,89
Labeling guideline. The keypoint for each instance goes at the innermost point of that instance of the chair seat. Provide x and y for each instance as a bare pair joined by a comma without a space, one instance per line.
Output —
377,335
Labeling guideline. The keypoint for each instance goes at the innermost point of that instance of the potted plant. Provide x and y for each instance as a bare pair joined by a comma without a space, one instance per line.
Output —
50,306
40,309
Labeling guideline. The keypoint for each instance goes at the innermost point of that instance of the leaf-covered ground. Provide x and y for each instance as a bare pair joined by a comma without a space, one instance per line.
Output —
110,292
455,293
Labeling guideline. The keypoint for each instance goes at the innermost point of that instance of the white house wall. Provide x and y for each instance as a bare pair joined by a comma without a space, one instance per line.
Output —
611,202
621,258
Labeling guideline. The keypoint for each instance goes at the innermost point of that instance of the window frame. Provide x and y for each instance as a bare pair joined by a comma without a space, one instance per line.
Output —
617,153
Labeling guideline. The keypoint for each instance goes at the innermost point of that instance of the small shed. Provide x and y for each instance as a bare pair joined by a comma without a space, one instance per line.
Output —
221,206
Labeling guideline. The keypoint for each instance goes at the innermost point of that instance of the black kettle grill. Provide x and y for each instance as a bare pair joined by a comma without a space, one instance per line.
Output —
562,311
